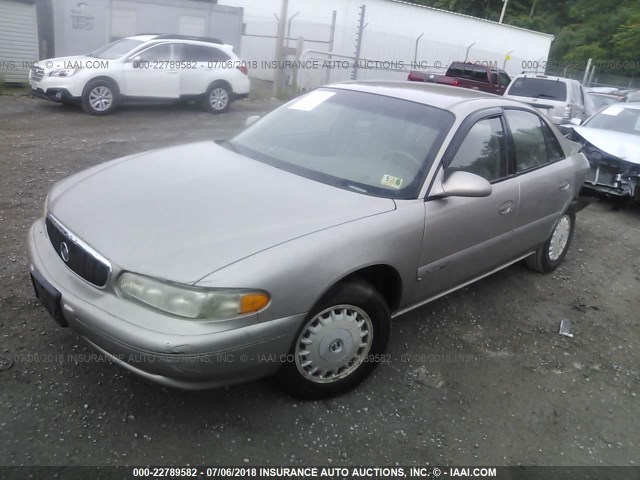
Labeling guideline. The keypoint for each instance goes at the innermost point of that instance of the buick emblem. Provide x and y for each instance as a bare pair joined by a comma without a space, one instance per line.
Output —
64,252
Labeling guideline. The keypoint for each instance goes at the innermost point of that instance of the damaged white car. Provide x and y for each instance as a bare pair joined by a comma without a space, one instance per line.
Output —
611,143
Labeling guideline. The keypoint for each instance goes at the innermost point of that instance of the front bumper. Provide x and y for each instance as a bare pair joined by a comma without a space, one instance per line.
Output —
57,89
170,351
611,181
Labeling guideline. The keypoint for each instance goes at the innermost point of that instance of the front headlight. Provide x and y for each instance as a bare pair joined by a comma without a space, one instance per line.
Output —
188,301
63,72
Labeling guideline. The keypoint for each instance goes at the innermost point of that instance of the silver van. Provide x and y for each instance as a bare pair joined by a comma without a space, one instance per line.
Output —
560,99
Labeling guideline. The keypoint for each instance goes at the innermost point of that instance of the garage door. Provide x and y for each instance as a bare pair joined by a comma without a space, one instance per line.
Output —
18,40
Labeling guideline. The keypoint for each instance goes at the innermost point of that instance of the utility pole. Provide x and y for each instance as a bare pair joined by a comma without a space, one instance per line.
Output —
279,71
533,8
504,9
586,73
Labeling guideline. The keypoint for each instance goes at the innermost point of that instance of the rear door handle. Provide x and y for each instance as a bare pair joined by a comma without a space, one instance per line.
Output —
506,207
564,186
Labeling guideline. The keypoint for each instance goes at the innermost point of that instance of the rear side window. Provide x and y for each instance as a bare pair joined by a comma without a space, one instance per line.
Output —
200,53
482,151
554,150
529,141
539,88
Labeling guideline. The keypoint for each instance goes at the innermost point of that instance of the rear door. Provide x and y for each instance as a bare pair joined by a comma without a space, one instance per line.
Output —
465,238
543,175
203,65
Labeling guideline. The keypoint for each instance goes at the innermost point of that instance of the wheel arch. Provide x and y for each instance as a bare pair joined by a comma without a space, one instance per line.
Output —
383,277
105,78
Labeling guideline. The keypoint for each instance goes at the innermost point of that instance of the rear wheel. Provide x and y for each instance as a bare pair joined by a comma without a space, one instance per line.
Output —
339,344
218,98
550,255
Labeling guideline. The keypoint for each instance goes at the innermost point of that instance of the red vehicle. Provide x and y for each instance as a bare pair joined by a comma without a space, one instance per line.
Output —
468,75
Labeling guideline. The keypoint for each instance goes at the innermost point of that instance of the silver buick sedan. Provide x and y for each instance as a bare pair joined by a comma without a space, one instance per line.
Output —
288,249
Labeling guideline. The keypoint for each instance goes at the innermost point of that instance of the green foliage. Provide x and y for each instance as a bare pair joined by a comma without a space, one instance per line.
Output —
608,31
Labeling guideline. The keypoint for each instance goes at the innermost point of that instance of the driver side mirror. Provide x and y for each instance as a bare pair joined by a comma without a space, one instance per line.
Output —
463,184
135,59
575,121
251,120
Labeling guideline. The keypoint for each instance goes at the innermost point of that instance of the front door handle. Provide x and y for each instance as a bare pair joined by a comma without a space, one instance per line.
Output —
564,186
506,207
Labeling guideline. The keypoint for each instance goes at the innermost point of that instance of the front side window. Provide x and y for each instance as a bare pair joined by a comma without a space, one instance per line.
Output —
528,139
360,141
159,53
482,151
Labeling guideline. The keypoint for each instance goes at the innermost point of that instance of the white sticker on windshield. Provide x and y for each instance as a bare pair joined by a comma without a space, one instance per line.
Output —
312,100
613,111
390,181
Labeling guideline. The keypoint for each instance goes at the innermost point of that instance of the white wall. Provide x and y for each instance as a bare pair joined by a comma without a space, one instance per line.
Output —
390,35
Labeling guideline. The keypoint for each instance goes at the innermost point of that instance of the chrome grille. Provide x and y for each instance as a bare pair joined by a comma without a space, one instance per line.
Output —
80,257
36,73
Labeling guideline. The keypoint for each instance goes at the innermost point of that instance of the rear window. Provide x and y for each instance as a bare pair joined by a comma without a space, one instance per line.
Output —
539,88
468,71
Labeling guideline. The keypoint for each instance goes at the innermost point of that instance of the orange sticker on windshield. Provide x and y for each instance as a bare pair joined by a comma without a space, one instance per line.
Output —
393,182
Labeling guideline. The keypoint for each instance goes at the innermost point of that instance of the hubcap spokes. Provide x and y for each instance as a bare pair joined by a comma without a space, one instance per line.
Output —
100,98
219,98
559,238
334,344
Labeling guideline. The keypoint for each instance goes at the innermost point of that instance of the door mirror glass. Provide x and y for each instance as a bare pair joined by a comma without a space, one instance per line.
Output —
464,184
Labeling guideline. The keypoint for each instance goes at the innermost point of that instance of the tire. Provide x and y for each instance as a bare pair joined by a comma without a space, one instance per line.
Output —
347,311
100,97
547,258
217,99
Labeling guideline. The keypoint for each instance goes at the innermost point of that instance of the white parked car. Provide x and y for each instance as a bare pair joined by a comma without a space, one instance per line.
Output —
559,98
145,67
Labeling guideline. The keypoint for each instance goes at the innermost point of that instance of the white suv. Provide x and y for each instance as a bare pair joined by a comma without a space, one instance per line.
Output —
560,99
145,67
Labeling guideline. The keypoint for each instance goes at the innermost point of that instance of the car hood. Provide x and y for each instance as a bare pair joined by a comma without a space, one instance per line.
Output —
181,213
625,146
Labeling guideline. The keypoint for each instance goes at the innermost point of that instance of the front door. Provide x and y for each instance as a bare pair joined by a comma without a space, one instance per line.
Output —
465,238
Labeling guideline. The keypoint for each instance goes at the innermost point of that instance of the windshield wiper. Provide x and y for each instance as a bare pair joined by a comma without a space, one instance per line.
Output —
544,95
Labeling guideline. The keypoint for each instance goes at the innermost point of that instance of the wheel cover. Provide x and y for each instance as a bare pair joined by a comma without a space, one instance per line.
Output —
100,98
219,98
559,238
333,344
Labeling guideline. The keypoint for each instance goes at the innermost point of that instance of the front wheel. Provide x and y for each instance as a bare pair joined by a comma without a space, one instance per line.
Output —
339,344
100,97
547,258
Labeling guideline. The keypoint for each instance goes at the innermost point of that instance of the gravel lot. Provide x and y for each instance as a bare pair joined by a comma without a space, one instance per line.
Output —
478,377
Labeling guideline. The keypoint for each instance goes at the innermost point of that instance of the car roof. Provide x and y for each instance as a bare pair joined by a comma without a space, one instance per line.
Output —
542,76
440,96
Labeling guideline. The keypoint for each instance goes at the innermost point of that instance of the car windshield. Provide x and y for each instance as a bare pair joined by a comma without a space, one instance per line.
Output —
539,88
365,142
117,49
600,101
618,119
